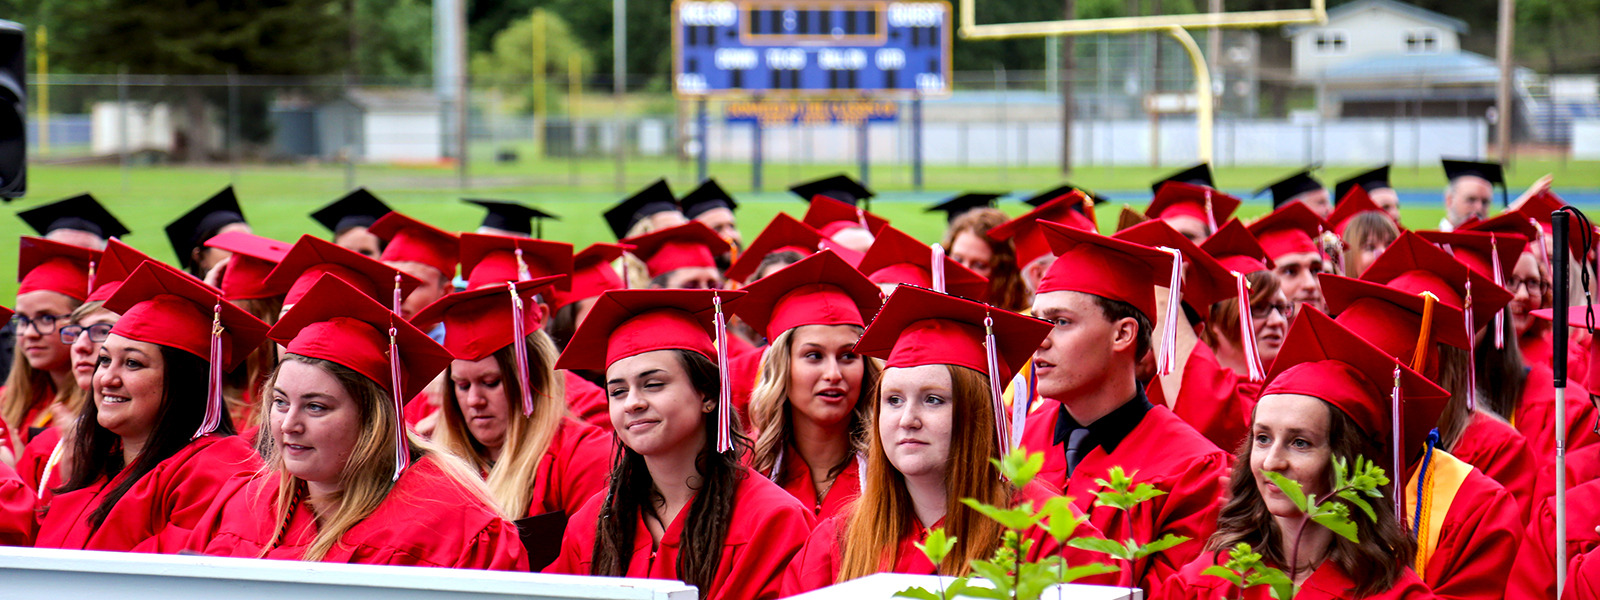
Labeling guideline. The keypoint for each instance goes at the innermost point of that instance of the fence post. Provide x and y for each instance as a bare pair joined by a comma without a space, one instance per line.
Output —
122,124
702,166
233,125
756,151
916,142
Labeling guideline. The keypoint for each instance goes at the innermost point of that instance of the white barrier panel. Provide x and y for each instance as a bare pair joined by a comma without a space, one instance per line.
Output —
883,586
35,573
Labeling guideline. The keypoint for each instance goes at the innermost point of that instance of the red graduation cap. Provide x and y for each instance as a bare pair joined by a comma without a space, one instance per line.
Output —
1487,254
691,244
1094,264
1324,360
896,257
1355,202
626,323
1205,281
1513,222
829,216
410,240
1412,265
784,233
918,327
1028,236
821,289
1539,206
161,305
1237,249
6,313
116,264
254,258
592,274
1175,198
496,259
1392,320
310,258
1292,229
54,267
478,323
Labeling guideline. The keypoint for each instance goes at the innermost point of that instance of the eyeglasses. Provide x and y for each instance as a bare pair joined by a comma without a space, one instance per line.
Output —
1536,287
44,324
98,333
1262,312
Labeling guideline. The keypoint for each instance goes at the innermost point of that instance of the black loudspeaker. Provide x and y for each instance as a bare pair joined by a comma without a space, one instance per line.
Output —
13,111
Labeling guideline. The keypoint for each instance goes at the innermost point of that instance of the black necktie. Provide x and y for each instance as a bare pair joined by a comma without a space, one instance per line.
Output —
1075,449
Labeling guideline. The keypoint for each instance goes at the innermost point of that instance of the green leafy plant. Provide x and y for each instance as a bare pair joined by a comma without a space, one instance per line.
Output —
1245,570
1119,492
1010,576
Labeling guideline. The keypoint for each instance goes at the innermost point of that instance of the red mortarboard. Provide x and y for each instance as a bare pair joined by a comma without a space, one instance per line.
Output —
918,327
116,264
1540,205
1481,251
1028,237
1294,228
1514,222
478,323
1412,265
1324,360
254,258
691,244
410,240
821,289
493,260
336,322
626,323
312,257
896,257
54,267
1176,198
1205,280
161,305
1392,320
1237,249
6,314
828,216
592,274
1354,202
784,233
1094,264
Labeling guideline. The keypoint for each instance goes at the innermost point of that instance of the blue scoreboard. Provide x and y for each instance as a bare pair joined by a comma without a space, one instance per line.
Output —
838,48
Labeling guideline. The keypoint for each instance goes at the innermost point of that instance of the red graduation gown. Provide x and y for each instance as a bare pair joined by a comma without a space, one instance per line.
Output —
1162,451
427,520
158,513
575,467
1584,582
31,465
1536,417
1537,349
1210,399
587,401
16,509
1583,466
1328,582
796,479
1477,542
767,528
1500,451
744,371
817,566
1534,576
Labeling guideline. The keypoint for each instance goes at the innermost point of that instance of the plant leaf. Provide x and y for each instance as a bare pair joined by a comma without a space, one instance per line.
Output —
1059,519
917,593
1224,573
1339,523
1018,519
1103,546
936,545
1165,543
1290,488
1090,570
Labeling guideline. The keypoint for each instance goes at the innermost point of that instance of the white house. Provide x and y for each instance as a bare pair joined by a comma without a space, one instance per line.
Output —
1371,28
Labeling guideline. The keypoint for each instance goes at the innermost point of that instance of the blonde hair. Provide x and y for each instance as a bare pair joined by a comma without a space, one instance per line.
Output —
882,515
528,437
24,387
75,398
368,477
770,409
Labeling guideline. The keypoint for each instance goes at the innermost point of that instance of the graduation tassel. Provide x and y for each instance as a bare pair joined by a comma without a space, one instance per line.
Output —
519,348
1247,329
402,454
1211,217
396,307
725,397
92,267
214,400
991,353
1397,477
522,266
1472,348
861,217
938,269
1538,241
1167,354
1419,356
1500,280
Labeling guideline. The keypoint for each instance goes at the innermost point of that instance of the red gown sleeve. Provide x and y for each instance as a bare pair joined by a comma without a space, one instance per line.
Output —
817,564
1584,582
16,509
1477,544
30,466
1583,466
190,488
775,529
1209,400
1501,452
587,401
1536,418
577,543
1533,575
579,468
744,371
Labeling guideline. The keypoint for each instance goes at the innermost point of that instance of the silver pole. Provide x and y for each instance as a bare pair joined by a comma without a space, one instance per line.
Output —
619,75
1558,367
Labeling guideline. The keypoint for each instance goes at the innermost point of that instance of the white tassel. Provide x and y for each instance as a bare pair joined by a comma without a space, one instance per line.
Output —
214,400
1472,349
1538,241
92,268
402,454
1211,217
1247,330
522,266
519,349
1500,280
1166,355
938,269
1398,476
992,354
396,307
725,398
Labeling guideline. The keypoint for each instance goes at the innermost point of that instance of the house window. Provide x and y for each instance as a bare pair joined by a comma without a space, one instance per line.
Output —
1422,41
1330,42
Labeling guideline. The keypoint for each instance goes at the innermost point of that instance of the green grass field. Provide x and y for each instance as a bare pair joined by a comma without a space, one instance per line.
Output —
277,199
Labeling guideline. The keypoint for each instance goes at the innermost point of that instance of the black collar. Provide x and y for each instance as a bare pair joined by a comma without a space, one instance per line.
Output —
1108,431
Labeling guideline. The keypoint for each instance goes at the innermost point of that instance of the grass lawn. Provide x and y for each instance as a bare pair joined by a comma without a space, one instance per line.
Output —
277,199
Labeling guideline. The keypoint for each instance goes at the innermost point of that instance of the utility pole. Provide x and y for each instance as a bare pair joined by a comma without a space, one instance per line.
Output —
1069,11
1503,101
619,82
